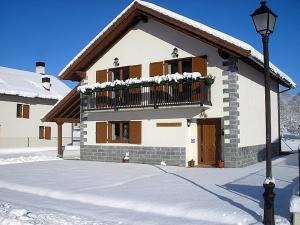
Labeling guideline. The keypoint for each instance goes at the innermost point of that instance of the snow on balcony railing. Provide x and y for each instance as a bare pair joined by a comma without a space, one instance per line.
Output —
144,81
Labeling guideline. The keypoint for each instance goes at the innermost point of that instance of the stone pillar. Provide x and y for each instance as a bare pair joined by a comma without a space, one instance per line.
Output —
83,118
231,113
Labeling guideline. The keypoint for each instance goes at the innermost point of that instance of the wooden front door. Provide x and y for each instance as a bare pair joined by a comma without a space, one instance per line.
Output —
209,135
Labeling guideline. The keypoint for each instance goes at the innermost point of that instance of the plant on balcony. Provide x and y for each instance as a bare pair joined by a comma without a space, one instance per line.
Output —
209,80
85,89
172,79
133,82
147,81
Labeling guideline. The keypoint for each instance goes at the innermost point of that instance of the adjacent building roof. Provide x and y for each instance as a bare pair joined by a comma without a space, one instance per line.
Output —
28,84
135,11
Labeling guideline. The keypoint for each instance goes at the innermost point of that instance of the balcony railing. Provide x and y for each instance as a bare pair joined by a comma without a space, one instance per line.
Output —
196,93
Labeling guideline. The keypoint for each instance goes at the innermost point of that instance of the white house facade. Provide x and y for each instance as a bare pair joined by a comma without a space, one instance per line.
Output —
25,97
214,112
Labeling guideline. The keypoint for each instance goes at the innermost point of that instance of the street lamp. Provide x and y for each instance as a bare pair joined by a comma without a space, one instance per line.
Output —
264,20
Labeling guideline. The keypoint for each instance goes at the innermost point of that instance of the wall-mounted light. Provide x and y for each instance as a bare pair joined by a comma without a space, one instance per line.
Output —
175,53
188,122
116,62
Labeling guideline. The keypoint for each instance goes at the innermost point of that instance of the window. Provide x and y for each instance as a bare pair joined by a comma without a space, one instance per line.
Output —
179,66
119,132
121,73
45,133
22,111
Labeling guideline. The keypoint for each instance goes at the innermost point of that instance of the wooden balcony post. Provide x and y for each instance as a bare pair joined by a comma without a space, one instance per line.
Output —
59,139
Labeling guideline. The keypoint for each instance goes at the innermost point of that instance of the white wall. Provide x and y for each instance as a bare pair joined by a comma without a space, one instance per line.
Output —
252,107
16,131
151,135
152,42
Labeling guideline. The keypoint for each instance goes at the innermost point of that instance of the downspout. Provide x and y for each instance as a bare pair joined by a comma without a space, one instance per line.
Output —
278,108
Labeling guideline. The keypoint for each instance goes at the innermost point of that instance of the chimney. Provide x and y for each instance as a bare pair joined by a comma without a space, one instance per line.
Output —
46,82
40,68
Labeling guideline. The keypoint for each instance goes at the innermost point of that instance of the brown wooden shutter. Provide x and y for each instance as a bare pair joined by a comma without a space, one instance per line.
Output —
101,97
48,133
41,132
199,64
101,76
26,111
135,132
101,132
135,71
109,77
156,68
135,93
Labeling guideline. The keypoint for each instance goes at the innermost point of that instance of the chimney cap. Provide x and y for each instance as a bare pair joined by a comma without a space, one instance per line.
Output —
40,64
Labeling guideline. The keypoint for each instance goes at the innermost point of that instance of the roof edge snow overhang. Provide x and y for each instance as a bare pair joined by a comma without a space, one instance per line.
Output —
140,11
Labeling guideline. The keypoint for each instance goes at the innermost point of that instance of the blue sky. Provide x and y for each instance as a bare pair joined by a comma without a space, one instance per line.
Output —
54,31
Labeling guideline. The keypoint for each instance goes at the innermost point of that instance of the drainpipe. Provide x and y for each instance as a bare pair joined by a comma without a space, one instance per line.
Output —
278,108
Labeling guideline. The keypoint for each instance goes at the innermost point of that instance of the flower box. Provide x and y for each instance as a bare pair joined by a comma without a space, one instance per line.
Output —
134,85
147,84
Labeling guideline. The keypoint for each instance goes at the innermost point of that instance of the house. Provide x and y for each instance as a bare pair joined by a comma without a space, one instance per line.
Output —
24,98
159,87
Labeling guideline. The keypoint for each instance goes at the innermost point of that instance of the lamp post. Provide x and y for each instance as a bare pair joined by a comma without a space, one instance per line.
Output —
264,20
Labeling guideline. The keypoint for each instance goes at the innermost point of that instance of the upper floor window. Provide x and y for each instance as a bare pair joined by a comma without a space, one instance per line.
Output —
179,66
191,64
22,111
121,73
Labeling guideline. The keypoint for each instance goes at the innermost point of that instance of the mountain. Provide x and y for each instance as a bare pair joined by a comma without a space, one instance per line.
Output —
290,113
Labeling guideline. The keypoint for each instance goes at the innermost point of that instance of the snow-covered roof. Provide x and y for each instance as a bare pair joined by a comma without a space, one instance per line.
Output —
254,54
28,84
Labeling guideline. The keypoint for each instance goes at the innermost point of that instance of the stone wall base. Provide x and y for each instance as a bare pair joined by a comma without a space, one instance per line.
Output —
249,155
173,156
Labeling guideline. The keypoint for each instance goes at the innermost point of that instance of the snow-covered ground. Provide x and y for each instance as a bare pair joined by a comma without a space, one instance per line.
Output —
82,192
290,143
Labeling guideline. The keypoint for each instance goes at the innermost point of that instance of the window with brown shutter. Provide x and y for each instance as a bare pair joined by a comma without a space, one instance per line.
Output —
48,133
135,93
26,111
22,111
135,134
44,132
101,132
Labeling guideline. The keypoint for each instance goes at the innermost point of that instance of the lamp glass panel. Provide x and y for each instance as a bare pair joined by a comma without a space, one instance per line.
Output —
272,20
261,22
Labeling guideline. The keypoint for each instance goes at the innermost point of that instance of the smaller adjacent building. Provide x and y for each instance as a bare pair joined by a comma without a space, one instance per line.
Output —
25,97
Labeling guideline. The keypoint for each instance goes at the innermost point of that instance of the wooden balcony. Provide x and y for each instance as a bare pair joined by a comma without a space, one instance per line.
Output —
196,93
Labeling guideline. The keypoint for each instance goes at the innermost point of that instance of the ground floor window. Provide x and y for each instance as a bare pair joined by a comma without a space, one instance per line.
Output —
44,132
119,132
